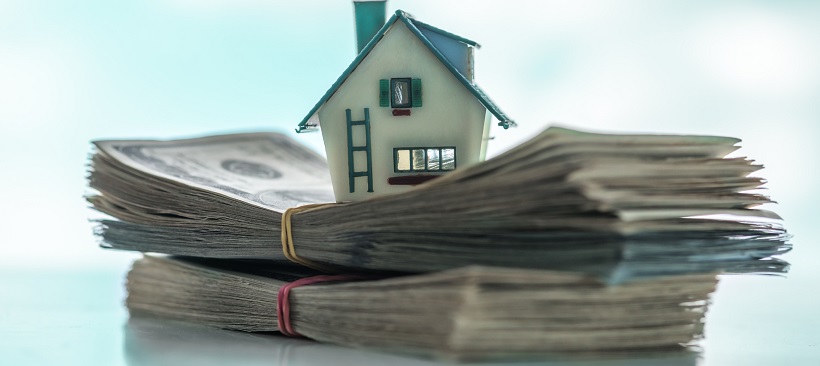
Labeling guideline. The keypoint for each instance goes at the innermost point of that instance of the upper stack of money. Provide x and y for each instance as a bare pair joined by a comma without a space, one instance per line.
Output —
623,206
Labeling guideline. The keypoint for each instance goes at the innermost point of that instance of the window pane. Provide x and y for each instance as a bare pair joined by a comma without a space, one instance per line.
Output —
448,159
401,93
418,159
432,159
403,160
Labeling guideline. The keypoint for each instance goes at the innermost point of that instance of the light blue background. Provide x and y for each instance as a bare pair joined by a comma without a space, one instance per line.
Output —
73,71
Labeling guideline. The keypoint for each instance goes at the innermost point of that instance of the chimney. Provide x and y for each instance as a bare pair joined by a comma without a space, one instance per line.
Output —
370,16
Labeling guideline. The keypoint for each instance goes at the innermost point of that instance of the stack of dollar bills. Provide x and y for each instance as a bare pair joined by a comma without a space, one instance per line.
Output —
571,242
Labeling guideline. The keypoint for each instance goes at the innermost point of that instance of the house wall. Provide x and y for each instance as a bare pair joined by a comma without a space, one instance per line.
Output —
450,114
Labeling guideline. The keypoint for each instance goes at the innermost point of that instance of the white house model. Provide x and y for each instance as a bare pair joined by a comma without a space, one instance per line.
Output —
405,111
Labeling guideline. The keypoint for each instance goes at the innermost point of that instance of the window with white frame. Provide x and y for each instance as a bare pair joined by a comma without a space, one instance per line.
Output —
424,159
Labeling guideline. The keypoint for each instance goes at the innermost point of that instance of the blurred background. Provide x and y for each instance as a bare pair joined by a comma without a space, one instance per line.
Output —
72,72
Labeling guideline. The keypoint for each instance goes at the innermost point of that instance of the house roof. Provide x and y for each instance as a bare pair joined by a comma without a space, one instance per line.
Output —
413,25
445,33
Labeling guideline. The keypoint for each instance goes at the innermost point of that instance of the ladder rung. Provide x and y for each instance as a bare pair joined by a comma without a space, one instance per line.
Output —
360,174
359,148
356,123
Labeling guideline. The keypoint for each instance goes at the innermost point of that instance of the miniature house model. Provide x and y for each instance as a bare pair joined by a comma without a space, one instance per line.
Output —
405,111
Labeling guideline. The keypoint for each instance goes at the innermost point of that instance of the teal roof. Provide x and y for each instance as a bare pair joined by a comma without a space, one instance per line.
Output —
443,32
413,25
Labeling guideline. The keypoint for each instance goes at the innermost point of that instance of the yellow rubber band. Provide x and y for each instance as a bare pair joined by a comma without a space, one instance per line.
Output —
287,236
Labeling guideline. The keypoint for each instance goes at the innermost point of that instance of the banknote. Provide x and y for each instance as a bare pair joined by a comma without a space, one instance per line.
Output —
265,169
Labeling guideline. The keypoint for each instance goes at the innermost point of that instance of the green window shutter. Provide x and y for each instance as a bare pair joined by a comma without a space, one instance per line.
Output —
416,92
384,93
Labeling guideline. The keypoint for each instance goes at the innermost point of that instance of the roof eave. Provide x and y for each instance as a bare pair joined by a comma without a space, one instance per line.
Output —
329,93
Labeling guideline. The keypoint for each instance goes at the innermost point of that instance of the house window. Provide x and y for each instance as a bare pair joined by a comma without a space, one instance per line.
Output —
400,93
424,159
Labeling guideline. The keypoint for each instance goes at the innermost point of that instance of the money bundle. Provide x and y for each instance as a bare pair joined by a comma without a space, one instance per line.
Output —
471,313
636,205
572,242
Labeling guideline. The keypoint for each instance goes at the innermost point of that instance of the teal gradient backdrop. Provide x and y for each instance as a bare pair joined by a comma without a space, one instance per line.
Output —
73,71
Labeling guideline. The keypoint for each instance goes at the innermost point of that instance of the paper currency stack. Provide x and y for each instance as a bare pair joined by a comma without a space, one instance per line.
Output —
571,242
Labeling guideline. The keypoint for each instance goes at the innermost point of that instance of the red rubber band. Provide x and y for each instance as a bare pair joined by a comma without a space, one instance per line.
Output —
283,305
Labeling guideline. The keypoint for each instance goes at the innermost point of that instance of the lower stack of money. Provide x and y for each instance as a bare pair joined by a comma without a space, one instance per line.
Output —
572,243
470,313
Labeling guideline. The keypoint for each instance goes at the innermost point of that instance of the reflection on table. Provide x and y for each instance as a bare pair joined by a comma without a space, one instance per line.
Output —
151,341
